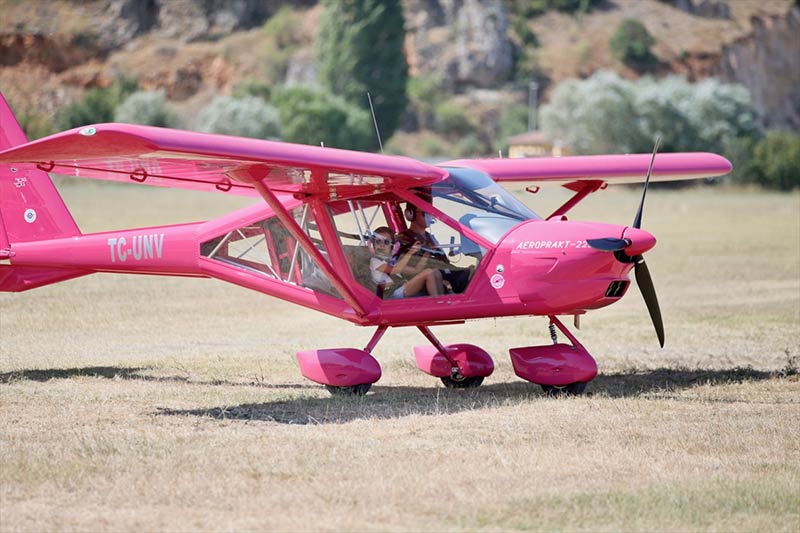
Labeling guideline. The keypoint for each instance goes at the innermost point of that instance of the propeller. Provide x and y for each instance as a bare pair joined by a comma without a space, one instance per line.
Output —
641,272
645,283
637,222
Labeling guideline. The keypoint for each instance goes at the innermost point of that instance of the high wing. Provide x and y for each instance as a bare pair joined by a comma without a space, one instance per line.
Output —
570,171
207,162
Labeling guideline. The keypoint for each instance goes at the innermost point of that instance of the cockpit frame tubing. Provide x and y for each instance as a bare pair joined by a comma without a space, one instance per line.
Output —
427,207
333,246
297,232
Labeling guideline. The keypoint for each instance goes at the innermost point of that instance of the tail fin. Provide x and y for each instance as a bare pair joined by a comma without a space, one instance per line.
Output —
30,210
30,207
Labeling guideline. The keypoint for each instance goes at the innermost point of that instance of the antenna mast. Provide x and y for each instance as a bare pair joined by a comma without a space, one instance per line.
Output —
375,121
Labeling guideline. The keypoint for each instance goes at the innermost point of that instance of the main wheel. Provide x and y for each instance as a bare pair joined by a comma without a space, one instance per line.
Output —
462,382
573,389
353,390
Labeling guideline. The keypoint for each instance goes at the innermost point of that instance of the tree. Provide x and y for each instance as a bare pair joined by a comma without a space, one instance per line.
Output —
146,107
631,44
606,114
593,116
97,105
246,117
359,49
313,116
775,161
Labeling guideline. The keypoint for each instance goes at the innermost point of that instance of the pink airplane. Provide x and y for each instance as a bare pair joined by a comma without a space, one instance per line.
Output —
346,233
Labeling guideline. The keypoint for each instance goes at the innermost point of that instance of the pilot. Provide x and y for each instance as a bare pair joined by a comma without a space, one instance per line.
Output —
417,232
389,271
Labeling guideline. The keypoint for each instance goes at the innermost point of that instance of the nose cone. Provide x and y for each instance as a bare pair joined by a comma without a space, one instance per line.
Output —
641,241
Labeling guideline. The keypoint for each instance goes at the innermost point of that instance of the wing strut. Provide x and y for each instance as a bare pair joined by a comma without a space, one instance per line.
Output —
582,190
291,225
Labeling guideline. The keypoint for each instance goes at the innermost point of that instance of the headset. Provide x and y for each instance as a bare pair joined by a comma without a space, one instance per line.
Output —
410,212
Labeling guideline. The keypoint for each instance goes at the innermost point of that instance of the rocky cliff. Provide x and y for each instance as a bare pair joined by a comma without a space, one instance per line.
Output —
52,51
767,61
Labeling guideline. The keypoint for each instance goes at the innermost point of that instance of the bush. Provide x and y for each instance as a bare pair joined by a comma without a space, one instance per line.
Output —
245,117
533,8
431,145
424,94
97,105
285,27
284,32
593,116
606,114
146,107
311,116
249,87
775,162
631,44
451,120
35,125
470,146
513,121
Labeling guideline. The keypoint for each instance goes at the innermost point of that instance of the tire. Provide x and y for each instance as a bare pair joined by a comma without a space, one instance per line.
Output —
462,383
353,390
573,389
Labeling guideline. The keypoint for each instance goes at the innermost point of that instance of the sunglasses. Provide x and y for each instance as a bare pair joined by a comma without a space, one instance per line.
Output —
387,242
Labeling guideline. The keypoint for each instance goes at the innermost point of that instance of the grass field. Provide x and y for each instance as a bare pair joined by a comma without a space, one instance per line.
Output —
134,403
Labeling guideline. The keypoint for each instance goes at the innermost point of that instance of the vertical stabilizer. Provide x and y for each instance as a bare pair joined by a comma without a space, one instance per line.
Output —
30,207
30,210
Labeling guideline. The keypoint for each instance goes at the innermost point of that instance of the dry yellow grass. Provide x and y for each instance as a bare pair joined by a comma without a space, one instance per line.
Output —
136,403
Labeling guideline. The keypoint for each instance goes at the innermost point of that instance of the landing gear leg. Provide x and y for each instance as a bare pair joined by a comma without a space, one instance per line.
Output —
459,366
572,389
362,388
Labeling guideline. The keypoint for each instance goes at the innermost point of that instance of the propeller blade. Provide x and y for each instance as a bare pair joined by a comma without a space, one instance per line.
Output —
608,244
645,283
637,222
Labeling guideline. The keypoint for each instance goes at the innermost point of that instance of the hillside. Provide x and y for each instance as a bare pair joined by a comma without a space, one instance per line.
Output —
52,52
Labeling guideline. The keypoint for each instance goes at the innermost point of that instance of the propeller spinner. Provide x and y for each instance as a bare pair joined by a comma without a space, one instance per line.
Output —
641,272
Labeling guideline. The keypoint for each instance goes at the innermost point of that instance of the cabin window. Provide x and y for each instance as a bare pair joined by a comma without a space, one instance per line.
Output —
477,202
267,248
356,222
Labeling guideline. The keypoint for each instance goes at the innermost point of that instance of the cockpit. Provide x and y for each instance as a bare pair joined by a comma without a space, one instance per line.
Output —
464,214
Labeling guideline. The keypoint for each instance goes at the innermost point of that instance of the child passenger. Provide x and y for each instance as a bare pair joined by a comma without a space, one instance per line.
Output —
393,273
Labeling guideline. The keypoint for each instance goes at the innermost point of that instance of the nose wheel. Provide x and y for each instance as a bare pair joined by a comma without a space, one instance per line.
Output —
460,382
353,390
573,389
559,368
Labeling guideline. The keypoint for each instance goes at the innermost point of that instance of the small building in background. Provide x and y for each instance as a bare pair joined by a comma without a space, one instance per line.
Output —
534,144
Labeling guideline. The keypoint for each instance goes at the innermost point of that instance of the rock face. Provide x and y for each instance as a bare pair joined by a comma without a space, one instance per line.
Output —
705,8
458,42
185,20
767,62
61,47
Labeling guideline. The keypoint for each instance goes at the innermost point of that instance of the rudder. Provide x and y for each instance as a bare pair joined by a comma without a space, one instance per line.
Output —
30,207
30,210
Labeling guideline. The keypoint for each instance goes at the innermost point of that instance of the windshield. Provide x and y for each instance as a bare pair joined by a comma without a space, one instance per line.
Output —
475,200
